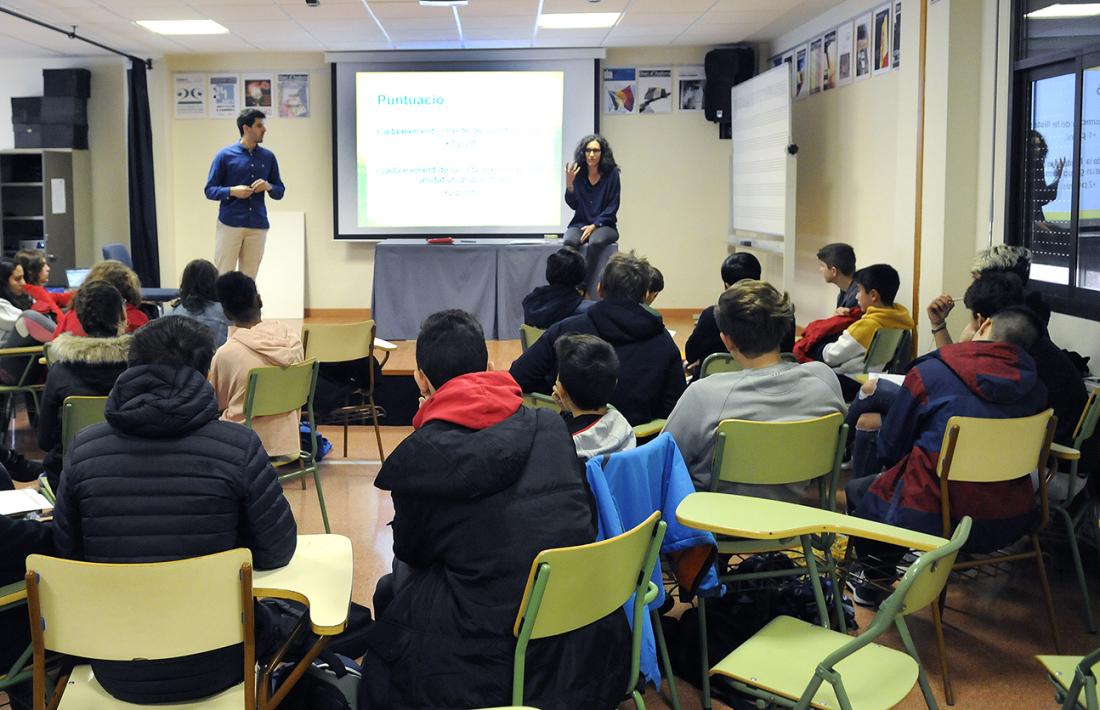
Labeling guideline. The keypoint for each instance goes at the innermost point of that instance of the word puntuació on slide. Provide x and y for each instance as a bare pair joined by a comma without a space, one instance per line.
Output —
410,100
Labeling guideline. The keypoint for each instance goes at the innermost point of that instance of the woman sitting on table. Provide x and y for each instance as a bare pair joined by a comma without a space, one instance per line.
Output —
594,198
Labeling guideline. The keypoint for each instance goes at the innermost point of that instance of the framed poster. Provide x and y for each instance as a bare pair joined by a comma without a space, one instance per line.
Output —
845,55
880,51
829,70
692,79
258,92
817,63
801,72
897,34
293,95
190,95
655,90
225,95
863,47
620,89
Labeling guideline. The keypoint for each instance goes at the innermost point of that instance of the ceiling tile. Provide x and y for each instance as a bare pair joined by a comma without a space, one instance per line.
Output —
663,19
424,24
499,8
555,6
327,11
405,9
695,6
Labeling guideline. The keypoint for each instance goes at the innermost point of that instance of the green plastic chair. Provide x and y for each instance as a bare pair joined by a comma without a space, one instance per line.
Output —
571,587
1074,679
795,664
20,670
78,413
538,400
1086,426
650,429
528,334
886,346
23,385
278,390
718,362
769,453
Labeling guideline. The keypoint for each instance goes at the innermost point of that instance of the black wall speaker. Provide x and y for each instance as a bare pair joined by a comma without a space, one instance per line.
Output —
725,67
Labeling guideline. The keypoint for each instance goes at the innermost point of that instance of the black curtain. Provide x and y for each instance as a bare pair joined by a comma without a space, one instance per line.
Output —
143,195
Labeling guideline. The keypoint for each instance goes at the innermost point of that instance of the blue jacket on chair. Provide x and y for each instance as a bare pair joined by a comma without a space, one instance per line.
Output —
628,486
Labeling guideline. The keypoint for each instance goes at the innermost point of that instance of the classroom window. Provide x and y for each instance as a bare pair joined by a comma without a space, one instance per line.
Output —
1054,152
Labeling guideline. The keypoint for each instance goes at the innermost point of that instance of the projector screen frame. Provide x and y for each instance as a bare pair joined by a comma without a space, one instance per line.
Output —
443,61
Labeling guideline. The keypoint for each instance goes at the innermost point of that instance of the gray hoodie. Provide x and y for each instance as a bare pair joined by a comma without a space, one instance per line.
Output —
608,434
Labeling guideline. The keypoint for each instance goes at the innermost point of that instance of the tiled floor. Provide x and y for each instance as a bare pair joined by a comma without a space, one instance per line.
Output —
994,627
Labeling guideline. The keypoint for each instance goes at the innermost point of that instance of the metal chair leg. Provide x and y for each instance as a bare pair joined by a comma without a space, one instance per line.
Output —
666,662
1040,563
941,649
1074,548
704,689
320,497
377,431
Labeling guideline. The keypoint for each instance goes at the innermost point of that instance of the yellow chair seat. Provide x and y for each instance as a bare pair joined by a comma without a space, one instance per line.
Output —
1062,668
782,657
1065,453
83,692
650,428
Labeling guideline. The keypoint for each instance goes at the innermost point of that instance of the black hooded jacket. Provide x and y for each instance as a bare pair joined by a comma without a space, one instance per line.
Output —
651,373
474,503
164,479
547,305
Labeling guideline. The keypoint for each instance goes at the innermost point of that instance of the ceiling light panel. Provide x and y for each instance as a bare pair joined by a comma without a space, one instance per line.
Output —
1065,11
183,27
577,20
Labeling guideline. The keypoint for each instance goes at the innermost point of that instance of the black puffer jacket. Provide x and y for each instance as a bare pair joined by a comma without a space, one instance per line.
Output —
164,479
82,367
474,504
547,305
651,373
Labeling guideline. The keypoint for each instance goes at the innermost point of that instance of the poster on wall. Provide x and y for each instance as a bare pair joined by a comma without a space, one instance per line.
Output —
845,55
691,80
897,34
880,51
225,95
655,90
817,63
863,47
257,92
829,73
620,88
293,95
801,72
190,95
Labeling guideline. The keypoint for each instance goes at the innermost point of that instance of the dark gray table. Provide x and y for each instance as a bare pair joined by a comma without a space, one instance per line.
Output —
488,278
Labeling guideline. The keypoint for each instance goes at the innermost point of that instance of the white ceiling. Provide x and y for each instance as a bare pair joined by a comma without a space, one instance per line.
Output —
342,25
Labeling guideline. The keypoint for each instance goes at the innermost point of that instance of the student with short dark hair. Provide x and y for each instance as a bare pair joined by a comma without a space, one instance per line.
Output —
837,264
754,318
877,287
991,377
588,371
656,285
481,486
82,366
254,342
163,479
199,299
706,339
563,294
651,374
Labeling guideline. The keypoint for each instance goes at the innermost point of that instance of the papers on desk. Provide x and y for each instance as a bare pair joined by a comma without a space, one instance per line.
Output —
22,500
896,379
384,344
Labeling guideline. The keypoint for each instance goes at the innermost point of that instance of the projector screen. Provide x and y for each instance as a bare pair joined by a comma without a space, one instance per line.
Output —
438,148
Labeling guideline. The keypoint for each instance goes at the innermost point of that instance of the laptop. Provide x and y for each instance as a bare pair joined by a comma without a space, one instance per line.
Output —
76,277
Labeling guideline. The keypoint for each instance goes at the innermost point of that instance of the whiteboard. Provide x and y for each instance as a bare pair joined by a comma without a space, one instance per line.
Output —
762,172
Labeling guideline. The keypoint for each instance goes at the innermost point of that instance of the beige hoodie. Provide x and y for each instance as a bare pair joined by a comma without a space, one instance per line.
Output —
264,344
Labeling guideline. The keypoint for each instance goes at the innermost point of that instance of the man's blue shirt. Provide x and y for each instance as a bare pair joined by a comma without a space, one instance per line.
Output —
235,165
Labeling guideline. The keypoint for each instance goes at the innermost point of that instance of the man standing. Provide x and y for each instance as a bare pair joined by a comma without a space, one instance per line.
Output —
239,177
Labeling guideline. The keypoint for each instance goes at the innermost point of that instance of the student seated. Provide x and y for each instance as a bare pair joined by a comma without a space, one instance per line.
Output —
753,318
253,342
837,264
199,299
588,370
481,486
82,366
992,377
563,294
21,538
877,285
36,272
163,479
651,374
706,338
124,279
656,285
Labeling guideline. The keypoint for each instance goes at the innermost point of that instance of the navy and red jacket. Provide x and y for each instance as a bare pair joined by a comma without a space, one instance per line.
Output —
992,380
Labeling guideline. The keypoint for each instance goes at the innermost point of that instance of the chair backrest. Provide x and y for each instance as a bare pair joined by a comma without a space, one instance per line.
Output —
528,334
718,362
571,587
778,452
78,413
537,400
979,450
924,580
885,346
278,390
1086,425
120,612
338,342
118,252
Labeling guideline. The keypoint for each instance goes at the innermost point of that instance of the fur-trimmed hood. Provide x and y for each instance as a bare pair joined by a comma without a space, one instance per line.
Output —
89,351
